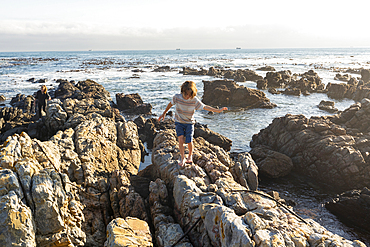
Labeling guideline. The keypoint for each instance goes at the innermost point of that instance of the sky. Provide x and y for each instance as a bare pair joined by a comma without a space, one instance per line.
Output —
74,25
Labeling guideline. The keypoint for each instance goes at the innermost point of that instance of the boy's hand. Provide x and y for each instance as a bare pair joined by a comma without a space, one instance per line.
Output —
161,117
224,109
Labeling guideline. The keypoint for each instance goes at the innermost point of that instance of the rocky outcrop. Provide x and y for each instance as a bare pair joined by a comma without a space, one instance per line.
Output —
353,89
240,75
212,137
228,93
327,106
267,68
331,150
270,163
352,207
222,211
132,103
82,90
71,186
23,102
2,98
340,77
308,82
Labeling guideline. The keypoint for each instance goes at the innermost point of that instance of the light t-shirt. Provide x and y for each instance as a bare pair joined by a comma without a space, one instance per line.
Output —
185,108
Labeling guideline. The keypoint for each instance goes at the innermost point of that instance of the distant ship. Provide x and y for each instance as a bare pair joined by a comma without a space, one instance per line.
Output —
238,48
177,49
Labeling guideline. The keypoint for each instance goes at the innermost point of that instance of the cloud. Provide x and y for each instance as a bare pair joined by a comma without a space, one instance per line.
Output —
41,36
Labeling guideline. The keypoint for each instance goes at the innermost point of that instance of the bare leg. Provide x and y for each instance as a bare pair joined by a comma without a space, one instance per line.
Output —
182,150
190,157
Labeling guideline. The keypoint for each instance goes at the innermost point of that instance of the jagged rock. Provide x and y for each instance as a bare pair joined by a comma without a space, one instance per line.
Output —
270,163
228,93
245,171
17,223
163,69
321,149
327,106
278,79
227,212
352,207
132,103
128,232
239,75
23,102
166,231
82,90
2,98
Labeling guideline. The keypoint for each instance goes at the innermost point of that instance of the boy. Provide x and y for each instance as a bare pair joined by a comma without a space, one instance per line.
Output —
186,104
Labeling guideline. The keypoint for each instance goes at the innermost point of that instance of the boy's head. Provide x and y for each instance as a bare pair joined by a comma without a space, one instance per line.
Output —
189,89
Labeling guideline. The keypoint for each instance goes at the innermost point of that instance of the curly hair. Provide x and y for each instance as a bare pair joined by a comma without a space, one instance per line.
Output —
189,87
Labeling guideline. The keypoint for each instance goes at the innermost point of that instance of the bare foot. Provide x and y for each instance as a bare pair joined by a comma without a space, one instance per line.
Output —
189,160
182,162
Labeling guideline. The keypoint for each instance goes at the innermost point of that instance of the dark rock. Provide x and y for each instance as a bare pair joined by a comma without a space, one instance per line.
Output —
345,77
267,68
332,151
292,91
2,98
23,102
132,103
278,79
162,69
212,137
327,106
270,163
228,93
365,75
352,207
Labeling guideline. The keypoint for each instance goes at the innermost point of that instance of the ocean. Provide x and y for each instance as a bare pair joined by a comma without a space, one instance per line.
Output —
132,72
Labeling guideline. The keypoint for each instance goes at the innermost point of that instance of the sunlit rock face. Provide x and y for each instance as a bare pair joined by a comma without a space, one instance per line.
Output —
231,214
65,191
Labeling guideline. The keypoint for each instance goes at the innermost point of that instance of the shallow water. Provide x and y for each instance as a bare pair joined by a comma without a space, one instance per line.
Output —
114,70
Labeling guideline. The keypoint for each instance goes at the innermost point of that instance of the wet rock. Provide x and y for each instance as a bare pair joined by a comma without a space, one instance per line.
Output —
270,163
325,149
128,232
228,93
2,98
163,69
327,106
132,103
352,207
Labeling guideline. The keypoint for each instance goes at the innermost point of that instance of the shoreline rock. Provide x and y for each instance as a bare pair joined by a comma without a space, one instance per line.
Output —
228,93
207,190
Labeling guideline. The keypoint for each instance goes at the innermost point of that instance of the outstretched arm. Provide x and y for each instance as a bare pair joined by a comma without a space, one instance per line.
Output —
161,117
210,108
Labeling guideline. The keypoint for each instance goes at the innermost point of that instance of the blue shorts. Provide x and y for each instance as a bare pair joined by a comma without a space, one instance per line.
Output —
186,130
